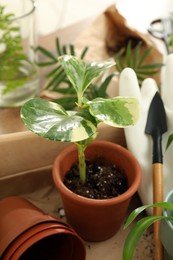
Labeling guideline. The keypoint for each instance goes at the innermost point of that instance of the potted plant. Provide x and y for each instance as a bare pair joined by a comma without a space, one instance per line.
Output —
99,218
166,227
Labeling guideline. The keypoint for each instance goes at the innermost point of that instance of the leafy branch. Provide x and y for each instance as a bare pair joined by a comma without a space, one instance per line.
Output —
133,58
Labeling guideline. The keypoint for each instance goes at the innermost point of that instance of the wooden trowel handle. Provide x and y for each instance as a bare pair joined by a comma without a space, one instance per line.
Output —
158,197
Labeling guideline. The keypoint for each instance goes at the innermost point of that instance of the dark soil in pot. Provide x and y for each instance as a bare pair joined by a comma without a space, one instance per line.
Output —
103,180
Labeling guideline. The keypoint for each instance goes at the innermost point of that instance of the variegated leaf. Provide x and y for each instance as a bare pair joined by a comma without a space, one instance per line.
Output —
51,121
81,74
117,111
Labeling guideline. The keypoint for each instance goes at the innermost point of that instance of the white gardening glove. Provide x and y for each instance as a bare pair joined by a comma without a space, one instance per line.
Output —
139,143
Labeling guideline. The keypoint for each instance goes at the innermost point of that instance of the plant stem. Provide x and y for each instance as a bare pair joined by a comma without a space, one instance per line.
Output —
82,164
79,104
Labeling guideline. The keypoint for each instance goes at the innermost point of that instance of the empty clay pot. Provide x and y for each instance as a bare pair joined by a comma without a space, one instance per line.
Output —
97,220
29,233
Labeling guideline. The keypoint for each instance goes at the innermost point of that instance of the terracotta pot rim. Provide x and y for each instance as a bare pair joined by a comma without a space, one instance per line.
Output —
12,237
107,202
29,233
18,233
39,236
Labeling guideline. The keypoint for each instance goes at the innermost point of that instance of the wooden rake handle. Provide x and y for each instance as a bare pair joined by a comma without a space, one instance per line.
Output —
158,197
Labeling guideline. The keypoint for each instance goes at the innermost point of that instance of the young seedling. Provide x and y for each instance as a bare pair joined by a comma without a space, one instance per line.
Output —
57,80
50,120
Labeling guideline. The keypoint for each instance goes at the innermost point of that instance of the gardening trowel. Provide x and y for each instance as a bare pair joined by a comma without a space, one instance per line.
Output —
156,126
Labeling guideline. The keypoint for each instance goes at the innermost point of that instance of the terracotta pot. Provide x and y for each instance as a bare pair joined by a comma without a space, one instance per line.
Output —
97,220
166,230
29,233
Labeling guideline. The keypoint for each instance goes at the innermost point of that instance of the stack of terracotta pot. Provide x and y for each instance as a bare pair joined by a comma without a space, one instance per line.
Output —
26,232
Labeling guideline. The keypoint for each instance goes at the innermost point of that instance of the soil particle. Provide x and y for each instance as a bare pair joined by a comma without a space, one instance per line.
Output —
103,181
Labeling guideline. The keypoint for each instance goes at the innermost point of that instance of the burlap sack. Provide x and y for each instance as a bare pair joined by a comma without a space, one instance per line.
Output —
109,33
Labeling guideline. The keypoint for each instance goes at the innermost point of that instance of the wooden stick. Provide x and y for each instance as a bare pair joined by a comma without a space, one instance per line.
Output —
158,197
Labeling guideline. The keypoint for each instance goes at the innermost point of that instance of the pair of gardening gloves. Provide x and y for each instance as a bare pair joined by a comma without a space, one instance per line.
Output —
139,143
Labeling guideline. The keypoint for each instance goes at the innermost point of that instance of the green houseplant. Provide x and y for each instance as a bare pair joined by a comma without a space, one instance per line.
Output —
50,120
18,72
166,229
141,225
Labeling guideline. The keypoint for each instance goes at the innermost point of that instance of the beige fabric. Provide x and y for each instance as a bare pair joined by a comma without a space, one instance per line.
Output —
109,33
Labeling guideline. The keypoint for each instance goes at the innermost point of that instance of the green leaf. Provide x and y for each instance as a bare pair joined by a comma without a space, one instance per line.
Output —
58,47
64,49
72,50
67,102
51,121
54,71
84,52
46,53
81,74
146,73
95,90
144,56
134,58
102,89
140,226
136,54
170,139
56,80
136,232
117,111
46,63
128,54
137,211
68,91
150,66
85,113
